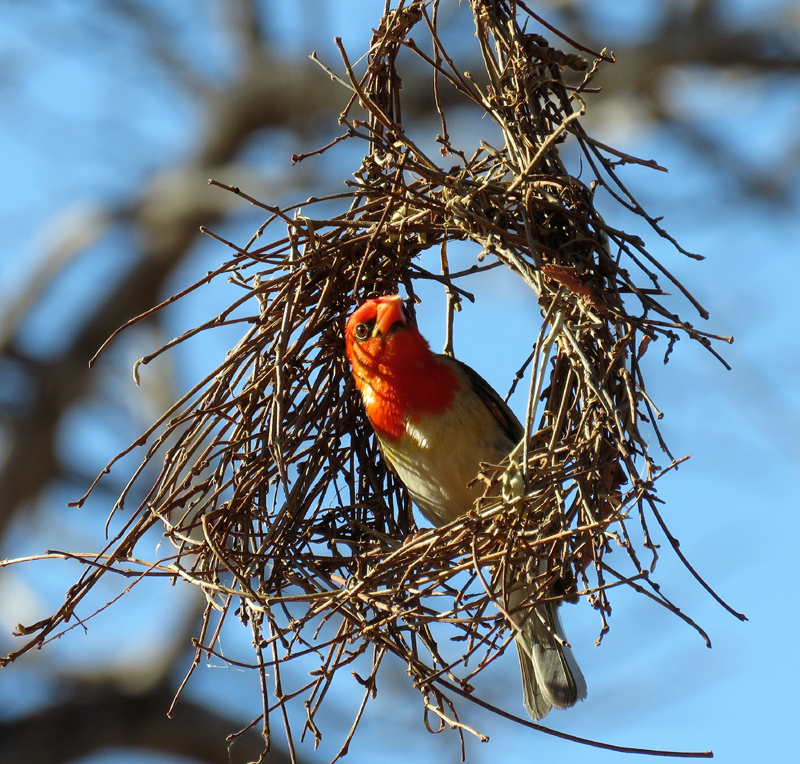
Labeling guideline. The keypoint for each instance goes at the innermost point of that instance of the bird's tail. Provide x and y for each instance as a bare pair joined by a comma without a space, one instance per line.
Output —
551,677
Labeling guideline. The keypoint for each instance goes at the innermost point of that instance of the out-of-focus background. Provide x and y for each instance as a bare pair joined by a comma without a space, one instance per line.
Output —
114,113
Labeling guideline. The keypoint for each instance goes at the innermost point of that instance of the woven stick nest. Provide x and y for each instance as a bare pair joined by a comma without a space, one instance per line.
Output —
273,492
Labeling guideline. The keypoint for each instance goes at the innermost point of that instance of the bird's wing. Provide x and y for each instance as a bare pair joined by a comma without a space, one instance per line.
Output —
499,408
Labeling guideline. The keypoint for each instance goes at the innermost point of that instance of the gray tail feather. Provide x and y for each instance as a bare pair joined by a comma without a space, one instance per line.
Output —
551,677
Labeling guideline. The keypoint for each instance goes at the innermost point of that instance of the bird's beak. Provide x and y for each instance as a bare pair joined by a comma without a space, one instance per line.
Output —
390,313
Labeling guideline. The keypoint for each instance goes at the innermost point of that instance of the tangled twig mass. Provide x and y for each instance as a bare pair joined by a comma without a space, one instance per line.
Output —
272,492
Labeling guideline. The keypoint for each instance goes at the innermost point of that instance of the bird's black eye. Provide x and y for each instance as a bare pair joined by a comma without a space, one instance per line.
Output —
361,332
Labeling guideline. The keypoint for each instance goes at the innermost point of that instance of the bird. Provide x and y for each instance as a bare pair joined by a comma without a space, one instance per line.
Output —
436,420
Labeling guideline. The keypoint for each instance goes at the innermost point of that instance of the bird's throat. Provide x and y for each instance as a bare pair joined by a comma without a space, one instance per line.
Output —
397,394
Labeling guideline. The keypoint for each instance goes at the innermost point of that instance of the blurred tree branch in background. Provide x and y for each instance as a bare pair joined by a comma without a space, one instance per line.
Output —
253,86
98,715
700,39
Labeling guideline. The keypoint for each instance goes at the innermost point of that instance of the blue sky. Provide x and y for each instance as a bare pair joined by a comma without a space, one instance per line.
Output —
652,683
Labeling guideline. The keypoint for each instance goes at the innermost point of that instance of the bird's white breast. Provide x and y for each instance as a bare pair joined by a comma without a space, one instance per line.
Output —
440,454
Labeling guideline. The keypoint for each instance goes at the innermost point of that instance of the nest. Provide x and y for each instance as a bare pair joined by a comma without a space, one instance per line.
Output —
272,490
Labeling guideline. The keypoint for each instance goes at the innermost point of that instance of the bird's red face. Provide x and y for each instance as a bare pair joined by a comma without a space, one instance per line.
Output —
382,343
393,365
371,329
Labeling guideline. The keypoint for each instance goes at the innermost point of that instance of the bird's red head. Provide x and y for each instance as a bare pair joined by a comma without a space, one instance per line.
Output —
380,338
371,325
393,366
375,318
